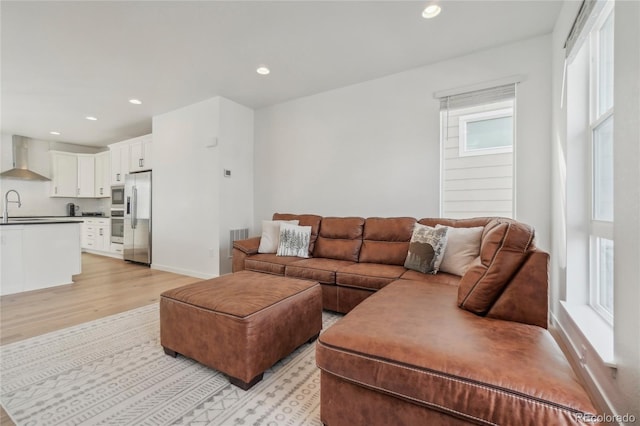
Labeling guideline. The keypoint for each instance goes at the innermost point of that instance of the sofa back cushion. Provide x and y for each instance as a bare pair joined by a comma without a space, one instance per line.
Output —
386,240
339,238
456,223
311,220
505,246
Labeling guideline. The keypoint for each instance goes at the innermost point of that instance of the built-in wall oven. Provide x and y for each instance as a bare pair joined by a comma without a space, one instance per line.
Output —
117,226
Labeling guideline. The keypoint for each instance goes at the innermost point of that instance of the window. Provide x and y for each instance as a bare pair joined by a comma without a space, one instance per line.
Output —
477,140
486,133
601,248
590,166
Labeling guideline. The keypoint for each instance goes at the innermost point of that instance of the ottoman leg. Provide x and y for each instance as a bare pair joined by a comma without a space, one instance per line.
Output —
170,352
245,385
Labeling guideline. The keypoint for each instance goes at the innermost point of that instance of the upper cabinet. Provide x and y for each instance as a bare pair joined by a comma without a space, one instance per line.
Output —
64,170
86,176
80,175
102,175
132,155
119,163
140,154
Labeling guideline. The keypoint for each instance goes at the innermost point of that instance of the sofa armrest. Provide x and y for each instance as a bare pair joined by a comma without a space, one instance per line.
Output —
526,298
248,246
243,249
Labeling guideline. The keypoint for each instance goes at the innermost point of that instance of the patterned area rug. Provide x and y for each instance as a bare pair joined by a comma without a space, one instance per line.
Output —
113,371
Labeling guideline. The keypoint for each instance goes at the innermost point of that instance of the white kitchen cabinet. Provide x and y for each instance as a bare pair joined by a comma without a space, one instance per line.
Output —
102,175
140,154
86,176
64,171
119,162
96,235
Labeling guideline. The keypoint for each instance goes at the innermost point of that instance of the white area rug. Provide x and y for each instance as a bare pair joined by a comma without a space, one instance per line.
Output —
113,371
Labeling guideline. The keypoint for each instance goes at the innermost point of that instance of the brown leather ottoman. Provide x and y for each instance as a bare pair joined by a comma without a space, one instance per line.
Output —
240,324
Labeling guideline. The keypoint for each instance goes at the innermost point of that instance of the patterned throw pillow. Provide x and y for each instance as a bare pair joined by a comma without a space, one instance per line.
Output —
426,249
294,240
271,235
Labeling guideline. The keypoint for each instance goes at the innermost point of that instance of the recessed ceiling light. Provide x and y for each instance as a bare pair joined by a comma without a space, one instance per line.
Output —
262,70
89,117
53,132
431,11
135,101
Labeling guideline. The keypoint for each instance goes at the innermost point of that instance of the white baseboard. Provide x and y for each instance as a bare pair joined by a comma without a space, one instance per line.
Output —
181,271
104,253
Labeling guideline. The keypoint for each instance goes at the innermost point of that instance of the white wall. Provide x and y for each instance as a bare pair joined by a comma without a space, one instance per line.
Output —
372,149
185,190
617,391
194,206
236,192
35,194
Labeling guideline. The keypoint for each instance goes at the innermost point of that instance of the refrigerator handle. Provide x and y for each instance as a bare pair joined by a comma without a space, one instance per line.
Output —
134,219
128,205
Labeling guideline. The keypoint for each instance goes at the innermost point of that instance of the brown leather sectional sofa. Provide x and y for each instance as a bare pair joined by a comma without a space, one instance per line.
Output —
431,349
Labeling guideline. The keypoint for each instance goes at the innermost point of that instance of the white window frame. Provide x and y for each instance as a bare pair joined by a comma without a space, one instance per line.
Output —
464,151
598,229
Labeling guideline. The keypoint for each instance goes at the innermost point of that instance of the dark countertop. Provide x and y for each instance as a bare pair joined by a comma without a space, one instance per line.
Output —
43,220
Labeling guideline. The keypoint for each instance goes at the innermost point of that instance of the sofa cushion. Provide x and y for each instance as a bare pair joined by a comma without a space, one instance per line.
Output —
270,237
426,248
316,269
439,278
386,240
456,223
506,244
410,340
339,238
463,246
311,220
269,263
368,275
294,240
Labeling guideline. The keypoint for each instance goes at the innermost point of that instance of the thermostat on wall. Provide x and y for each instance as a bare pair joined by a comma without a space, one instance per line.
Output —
227,173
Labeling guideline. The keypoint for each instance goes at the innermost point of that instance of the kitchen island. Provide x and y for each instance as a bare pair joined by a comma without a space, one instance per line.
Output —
38,253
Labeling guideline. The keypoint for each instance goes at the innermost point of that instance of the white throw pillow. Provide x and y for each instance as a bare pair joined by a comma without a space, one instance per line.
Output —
463,246
294,240
271,235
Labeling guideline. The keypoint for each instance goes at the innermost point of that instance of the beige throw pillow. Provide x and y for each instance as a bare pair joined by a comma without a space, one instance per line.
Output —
463,246
271,235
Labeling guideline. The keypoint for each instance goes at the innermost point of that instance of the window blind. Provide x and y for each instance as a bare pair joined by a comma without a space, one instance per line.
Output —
479,97
587,14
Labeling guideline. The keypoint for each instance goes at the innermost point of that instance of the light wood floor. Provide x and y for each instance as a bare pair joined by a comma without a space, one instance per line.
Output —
105,287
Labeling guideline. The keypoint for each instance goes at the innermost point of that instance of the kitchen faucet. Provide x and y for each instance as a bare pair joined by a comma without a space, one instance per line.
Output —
5,213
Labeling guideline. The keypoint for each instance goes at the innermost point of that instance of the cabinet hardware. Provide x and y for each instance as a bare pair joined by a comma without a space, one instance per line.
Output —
140,162
118,177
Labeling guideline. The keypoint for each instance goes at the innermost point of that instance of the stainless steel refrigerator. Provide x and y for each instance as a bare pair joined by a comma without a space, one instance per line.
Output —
137,217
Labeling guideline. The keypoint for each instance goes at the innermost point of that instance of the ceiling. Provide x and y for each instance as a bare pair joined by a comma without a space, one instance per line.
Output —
63,61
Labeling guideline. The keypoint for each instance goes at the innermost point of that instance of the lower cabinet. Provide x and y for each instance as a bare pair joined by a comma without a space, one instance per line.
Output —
96,235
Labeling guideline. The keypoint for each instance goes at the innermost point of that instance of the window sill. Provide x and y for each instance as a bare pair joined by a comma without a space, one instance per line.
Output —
595,330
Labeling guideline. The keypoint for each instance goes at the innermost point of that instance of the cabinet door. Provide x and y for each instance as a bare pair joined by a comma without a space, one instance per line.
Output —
88,234
103,238
119,163
64,168
86,175
147,151
102,175
136,156
140,153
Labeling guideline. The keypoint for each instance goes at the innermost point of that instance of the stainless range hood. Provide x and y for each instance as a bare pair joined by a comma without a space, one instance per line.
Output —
21,161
